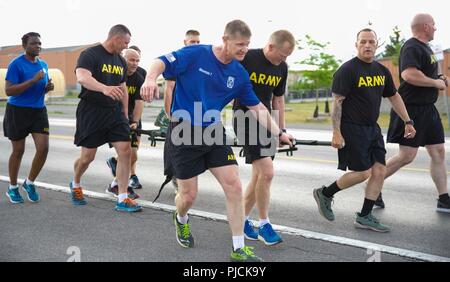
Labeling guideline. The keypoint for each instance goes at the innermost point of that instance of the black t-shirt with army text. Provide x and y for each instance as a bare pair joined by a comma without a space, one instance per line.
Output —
363,85
267,79
106,68
142,72
416,54
134,84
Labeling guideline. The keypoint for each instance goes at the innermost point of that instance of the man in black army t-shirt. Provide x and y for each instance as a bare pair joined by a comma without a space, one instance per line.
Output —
102,112
139,70
358,87
134,182
135,108
268,72
420,85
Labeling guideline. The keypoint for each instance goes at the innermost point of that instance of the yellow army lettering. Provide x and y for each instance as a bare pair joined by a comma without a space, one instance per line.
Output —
231,157
371,81
112,69
131,90
434,59
265,80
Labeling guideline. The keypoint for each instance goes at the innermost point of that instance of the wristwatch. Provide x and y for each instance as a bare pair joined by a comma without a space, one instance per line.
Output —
281,133
410,122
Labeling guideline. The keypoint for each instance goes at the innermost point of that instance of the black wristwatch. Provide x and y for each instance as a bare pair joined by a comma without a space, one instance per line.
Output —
281,133
410,122
284,130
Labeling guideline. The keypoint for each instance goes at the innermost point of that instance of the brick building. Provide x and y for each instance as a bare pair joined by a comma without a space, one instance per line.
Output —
64,59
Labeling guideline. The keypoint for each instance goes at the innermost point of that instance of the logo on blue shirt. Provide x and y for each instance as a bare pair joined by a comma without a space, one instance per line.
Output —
230,83
170,57
205,72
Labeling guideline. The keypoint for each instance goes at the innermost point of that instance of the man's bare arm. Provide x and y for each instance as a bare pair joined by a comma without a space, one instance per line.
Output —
338,141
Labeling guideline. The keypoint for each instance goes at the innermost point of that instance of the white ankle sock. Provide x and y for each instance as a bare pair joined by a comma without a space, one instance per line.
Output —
13,186
238,242
29,182
76,185
122,197
183,220
263,222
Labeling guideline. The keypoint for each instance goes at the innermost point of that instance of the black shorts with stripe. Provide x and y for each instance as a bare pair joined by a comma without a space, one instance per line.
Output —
364,145
428,125
98,125
19,122
255,146
185,161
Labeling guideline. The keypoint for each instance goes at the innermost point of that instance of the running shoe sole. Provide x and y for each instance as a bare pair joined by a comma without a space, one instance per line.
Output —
261,238
360,226
443,210
11,200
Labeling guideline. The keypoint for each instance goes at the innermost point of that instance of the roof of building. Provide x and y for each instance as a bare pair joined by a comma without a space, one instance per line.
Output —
14,51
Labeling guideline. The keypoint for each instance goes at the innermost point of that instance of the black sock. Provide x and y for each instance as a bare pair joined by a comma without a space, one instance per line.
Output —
367,207
444,197
331,190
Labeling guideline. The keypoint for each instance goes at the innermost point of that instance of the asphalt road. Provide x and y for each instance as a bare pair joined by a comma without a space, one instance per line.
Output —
54,225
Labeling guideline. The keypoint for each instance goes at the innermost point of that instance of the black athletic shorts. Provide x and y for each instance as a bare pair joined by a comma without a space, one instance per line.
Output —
134,137
427,123
253,145
364,145
188,161
98,125
18,122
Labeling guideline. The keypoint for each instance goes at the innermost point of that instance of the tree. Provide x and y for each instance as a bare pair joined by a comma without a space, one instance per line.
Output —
324,65
392,49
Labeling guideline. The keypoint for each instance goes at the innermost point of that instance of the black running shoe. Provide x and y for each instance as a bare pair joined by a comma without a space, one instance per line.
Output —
443,206
379,203
112,164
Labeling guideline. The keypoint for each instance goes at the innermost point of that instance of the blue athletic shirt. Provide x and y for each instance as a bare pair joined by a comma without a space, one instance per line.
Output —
21,70
201,77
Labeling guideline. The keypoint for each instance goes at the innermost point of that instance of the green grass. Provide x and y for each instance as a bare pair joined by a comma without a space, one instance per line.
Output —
302,113
299,113
56,113
72,94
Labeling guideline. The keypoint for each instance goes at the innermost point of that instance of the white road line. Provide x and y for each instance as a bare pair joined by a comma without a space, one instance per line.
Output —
283,229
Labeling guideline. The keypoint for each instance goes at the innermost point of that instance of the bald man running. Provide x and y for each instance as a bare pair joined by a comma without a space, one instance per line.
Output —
420,85
135,108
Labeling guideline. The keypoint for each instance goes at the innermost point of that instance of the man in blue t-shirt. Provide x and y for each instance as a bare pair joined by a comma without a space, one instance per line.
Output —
27,82
207,79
